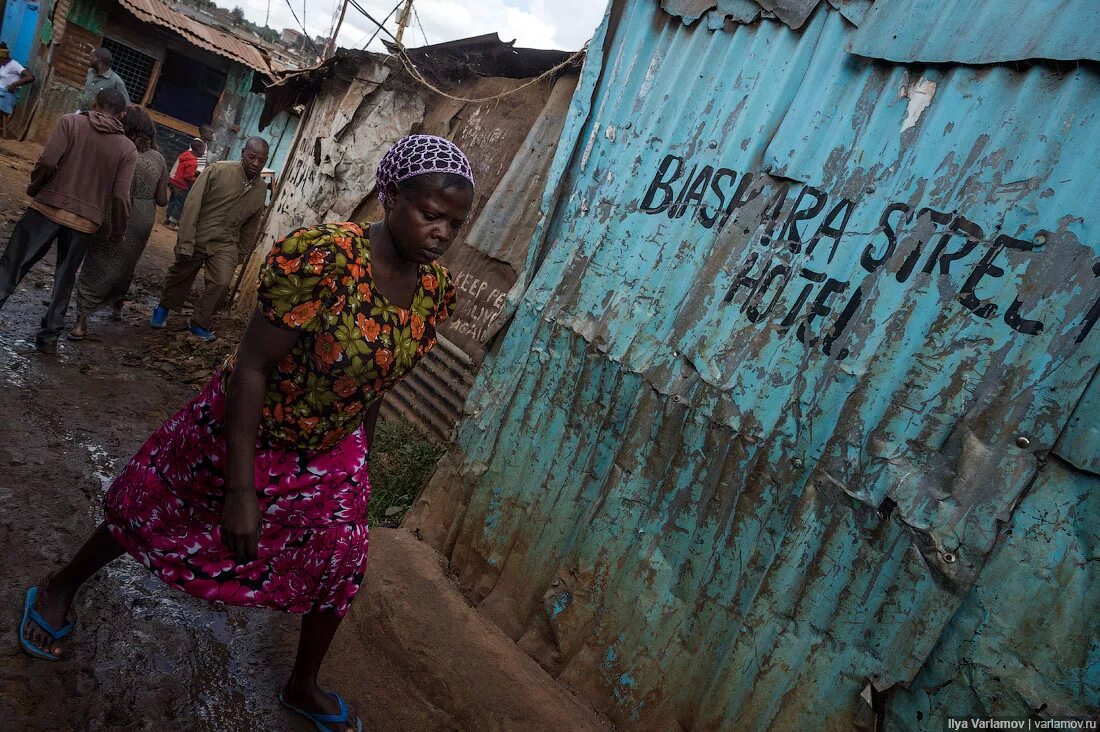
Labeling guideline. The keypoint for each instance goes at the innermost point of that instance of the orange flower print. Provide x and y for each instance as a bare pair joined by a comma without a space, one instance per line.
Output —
338,306
328,282
384,358
353,409
429,282
368,327
286,364
316,260
417,326
290,389
352,227
345,386
356,270
308,423
288,266
364,292
327,350
278,413
402,317
344,243
302,314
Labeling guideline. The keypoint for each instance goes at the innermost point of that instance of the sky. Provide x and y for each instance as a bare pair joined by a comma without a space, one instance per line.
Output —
558,24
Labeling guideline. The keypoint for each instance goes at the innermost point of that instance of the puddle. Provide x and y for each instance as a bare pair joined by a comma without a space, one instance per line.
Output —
13,366
210,662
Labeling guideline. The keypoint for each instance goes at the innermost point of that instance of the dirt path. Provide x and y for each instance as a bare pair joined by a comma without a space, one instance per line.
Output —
412,655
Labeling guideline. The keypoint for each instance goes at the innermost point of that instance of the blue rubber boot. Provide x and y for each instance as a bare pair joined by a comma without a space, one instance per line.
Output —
160,317
202,333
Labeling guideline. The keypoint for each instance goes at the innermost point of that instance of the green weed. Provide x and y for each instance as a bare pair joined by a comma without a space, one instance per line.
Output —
401,462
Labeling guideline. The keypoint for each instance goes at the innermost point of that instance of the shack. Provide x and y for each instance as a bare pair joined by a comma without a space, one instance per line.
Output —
504,105
185,73
794,421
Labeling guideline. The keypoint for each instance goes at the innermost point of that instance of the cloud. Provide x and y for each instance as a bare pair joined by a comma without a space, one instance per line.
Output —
562,24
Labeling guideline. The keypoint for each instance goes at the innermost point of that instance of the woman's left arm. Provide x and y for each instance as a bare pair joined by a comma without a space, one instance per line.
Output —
370,420
162,187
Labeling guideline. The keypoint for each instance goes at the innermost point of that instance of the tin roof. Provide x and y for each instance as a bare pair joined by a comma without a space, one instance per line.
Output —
980,31
201,35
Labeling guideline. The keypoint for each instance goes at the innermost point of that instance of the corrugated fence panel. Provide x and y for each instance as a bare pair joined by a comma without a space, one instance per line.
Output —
796,338
279,134
980,31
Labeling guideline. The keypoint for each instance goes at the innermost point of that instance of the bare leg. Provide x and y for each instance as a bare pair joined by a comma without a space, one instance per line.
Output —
55,595
302,690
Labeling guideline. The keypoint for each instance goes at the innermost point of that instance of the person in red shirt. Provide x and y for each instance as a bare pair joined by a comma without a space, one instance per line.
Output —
182,177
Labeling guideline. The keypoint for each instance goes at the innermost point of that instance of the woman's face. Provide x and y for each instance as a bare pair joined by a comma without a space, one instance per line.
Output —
423,220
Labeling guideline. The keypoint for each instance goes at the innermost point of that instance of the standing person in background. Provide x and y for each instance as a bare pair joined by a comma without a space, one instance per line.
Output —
12,76
109,265
218,230
206,134
100,77
182,177
84,171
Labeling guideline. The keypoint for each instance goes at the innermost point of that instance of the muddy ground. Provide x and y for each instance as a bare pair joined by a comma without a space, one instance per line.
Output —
411,655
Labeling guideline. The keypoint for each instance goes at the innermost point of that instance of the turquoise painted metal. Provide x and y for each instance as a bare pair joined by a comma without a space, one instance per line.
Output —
279,134
18,28
773,438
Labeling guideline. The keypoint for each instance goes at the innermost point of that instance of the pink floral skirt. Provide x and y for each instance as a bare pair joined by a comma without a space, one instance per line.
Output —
165,509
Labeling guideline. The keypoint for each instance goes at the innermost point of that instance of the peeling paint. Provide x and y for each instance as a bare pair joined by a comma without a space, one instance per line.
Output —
773,404
920,95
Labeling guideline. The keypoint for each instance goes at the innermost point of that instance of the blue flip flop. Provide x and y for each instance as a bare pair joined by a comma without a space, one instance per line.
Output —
30,614
322,721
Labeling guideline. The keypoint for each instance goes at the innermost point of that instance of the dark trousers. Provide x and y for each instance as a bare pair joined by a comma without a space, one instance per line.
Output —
30,240
217,267
175,203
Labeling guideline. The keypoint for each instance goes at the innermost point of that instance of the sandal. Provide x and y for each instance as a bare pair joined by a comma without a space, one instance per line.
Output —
29,614
322,721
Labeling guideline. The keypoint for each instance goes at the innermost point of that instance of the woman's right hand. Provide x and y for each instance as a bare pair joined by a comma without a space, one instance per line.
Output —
240,524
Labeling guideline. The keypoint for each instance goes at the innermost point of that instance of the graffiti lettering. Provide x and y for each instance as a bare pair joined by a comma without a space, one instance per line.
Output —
478,306
925,242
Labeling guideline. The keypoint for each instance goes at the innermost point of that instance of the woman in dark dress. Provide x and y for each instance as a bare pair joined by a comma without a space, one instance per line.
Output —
109,266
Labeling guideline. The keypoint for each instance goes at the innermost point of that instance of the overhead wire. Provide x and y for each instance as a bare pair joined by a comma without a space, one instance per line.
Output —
417,76
421,26
379,28
371,18
303,27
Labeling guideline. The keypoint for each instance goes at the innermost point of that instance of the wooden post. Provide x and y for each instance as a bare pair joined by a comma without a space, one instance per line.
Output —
330,49
403,20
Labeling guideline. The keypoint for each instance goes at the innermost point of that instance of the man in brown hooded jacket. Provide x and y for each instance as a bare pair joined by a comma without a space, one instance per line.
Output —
86,166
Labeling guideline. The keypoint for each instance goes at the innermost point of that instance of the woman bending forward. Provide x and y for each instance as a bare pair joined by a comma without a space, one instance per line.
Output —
256,492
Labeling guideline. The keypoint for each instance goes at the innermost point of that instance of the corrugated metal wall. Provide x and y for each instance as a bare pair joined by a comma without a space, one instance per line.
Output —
773,427
279,134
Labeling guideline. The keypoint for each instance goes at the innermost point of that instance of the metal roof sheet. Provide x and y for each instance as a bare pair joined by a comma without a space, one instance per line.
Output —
980,31
793,13
200,34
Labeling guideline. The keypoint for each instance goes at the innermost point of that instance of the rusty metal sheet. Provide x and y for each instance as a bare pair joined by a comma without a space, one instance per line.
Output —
792,12
1025,638
201,35
791,342
980,31
1079,443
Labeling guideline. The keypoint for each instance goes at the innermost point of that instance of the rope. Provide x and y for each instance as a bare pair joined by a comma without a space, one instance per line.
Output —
415,73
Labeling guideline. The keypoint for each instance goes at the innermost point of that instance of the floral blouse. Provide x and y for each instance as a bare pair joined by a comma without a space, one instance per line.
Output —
355,344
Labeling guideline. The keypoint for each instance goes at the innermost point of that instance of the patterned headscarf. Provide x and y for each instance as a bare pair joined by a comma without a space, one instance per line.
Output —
418,155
